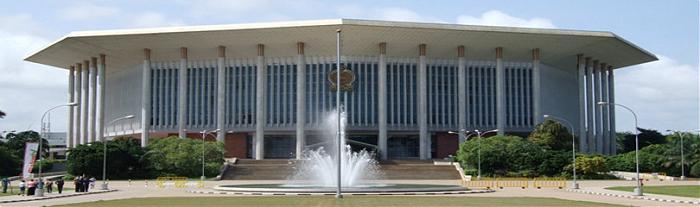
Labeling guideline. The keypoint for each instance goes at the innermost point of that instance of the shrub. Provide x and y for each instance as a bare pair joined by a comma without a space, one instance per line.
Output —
695,170
124,160
501,155
589,166
174,156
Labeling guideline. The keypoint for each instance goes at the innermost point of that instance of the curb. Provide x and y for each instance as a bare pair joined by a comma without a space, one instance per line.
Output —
58,196
634,197
358,194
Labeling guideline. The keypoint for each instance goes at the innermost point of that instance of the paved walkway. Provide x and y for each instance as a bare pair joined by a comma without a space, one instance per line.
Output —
138,189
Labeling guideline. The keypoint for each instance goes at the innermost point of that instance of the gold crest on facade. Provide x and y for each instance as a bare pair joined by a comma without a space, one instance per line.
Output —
347,79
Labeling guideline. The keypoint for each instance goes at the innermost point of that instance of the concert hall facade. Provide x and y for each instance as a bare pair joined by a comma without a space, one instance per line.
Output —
266,86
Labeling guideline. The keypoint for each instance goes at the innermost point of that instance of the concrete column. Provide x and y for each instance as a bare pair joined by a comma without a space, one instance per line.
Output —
461,92
589,106
221,94
424,137
536,99
182,94
85,102
604,108
611,109
92,119
146,97
582,136
71,99
500,92
597,108
78,109
301,100
260,120
101,98
381,99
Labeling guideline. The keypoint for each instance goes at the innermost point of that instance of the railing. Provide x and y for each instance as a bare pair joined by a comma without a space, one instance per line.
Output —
522,183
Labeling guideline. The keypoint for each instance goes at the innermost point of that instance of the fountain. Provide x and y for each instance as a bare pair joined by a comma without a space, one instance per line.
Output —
317,171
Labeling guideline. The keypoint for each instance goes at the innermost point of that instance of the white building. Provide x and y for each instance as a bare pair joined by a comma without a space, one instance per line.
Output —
266,84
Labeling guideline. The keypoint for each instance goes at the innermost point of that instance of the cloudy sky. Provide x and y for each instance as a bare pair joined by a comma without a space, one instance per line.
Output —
664,93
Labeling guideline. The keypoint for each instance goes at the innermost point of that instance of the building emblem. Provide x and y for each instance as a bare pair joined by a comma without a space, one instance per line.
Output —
347,79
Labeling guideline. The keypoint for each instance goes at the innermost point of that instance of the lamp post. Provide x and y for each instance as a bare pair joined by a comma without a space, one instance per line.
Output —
104,151
479,134
573,143
40,187
637,191
204,136
338,193
680,134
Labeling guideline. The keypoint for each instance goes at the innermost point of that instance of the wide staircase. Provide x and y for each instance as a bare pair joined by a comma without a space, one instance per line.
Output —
277,169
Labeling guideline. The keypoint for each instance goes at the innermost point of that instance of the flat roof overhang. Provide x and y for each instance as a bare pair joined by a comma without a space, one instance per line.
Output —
360,37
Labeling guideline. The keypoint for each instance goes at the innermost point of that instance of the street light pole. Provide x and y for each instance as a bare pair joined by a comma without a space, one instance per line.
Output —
204,135
104,151
637,191
40,187
680,134
573,143
338,193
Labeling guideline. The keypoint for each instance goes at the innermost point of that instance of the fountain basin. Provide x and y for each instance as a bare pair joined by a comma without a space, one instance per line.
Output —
381,188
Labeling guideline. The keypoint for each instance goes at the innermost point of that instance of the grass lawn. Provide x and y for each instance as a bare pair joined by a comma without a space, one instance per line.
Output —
402,201
692,191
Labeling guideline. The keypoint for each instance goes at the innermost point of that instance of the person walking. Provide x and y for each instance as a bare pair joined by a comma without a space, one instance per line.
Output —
75,183
22,187
59,185
49,186
92,182
31,187
86,184
5,183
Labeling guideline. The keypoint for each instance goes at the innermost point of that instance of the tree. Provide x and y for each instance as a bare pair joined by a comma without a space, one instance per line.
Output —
589,165
646,137
125,160
16,142
503,155
691,149
552,135
10,165
174,156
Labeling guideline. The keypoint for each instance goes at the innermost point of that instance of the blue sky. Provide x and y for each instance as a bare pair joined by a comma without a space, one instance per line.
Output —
664,93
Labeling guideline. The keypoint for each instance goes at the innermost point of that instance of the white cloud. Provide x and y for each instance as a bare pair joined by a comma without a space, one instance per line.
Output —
152,19
31,88
498,18
85,11
664,94
401,14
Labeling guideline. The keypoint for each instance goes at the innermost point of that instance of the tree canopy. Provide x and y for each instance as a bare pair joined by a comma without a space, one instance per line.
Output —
552,135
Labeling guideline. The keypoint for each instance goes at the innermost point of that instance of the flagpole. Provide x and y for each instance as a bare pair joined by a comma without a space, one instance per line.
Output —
338,193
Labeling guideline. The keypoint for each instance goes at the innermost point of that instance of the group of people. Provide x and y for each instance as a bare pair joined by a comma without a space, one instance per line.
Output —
83,184
28,188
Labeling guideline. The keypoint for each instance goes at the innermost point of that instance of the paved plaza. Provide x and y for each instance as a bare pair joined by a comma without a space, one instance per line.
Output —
138,189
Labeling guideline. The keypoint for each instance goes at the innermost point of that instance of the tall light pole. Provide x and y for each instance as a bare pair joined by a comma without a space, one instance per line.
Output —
204,136
680,134
104,151
338,193
40,187
478,151
637,191
573,143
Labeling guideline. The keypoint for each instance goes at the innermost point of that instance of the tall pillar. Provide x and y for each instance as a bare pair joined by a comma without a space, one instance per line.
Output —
221,94
500,92
461,92
381,99
77,137
71,99
182,94
597,108
582,136
589,106
604,108
611,110
260,110
301,100
85,102
146,97
92,119
101,98
536,98
424,137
